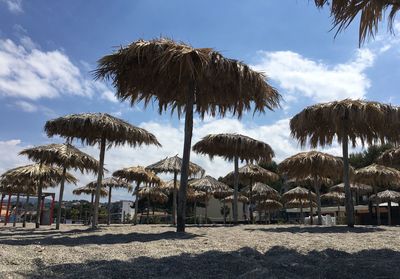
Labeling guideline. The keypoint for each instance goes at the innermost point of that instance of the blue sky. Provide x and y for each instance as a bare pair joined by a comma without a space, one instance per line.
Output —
48,48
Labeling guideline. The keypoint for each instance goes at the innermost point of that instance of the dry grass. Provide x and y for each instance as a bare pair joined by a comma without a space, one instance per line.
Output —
251,251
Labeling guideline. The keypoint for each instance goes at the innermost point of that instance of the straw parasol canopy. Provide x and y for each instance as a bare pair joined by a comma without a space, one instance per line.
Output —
250,173
270,205
174,165
234,147
89,191
184,78
169,186
389,197
194,195
309,181
346,120
208,184
102,129
111,183
361,188
140,175
42,175
378,175
65,156
155,194
261,191
390,158
298,193
299,203
241,198
338,197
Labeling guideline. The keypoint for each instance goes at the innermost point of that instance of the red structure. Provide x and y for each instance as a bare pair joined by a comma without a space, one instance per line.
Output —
8,209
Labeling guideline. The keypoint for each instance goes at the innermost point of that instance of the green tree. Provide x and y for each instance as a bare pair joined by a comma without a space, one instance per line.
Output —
369,156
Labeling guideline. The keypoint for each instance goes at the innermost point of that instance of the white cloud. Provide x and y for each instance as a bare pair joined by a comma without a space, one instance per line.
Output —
301,76
9,157
109,96
30,73
14,6
26,106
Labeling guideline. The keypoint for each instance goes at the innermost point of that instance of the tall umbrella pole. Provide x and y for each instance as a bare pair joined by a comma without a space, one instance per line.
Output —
99,179
174,198
251,203
223,204
16,211
38,206
109,206
206,207
349,200
311,207
26,210
60,199
389,213
195,211
53,197
136,202
181,217
378,211
301,212
236,190
1,202
8,209
91,208
317,191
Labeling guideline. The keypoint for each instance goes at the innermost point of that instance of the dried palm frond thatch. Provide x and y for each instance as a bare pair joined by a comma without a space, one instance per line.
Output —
361,188
65,156
230,146
174,165
390,158
269,205
260,191
371,14
241,198
208,184
299,203
309,182
89,191
102,129
234,147
378,176
335,196
389,197
42,176
195,196
298,193
139,175
186,79
346,120
249,173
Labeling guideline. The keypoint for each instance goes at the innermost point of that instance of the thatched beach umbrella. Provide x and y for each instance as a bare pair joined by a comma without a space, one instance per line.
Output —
194,197
139,175
209,185
186,79
315,164
249,174
261,191
389,197
44,175
111,183
102,129
378,176
90,189
357,188
234,147
308,182
299,203
346,120
269,205
302,195
174,165
65,156
152,194
337,197
390,158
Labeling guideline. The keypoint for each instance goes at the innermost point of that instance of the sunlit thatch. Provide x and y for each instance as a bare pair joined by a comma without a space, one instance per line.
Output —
174,164
250,173
298,193
89,191
386,196
390,158
163,69
269,205
299,203
208,184
338,197
366,121
241,198
312,163
155,194
112,182
63,155
230,146
378,176
371,14
260,191
137,174
90,128
361,188
309,182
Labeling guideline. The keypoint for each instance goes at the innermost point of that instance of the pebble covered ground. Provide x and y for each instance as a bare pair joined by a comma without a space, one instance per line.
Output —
156,251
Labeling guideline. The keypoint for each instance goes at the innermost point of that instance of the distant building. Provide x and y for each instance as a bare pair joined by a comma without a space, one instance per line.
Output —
121,210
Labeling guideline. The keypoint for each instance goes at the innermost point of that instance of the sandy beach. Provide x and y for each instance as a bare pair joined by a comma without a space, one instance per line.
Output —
156,251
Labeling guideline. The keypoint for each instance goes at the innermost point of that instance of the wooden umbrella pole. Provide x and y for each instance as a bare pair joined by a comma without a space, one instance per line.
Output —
223,204
109,206
195,211
60,199
301,213
8,209
389,213
206,207
26,210
311,208
174,198
236,190
136,202
317,191
346,180
1,202
98,185
42,209
16,211
53,197
91,208
38,206
251,203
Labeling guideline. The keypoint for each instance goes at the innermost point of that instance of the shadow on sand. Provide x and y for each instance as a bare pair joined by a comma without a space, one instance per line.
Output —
58,238
278,262
319,229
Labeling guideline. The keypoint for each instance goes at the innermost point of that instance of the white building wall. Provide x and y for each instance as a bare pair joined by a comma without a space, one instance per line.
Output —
126,209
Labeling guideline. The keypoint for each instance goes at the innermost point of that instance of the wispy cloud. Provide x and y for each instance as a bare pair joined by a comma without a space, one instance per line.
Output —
14,6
